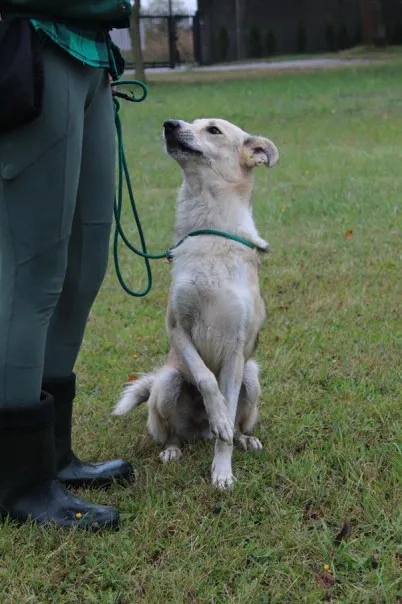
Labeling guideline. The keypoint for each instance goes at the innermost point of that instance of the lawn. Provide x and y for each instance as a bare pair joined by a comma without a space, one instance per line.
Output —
326,489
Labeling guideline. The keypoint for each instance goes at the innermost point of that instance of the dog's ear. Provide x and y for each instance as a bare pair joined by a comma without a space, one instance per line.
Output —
258,151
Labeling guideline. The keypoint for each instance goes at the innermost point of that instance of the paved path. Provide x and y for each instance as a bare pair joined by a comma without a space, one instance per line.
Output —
275,65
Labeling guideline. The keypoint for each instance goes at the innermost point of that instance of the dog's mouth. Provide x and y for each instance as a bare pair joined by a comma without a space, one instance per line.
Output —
174,145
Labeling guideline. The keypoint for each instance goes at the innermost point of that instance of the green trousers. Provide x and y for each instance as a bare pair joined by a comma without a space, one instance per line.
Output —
56,205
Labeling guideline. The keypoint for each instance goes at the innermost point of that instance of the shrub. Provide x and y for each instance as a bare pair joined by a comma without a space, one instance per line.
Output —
223,44
301,38
330,37
343,37
270,43
254,43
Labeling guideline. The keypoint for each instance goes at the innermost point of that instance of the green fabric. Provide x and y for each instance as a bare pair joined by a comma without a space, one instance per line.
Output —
57,182
87,45
110,13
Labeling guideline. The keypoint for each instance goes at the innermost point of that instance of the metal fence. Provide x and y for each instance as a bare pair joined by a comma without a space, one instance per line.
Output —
165,41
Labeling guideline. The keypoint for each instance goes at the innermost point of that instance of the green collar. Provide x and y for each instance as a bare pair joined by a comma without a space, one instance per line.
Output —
246,242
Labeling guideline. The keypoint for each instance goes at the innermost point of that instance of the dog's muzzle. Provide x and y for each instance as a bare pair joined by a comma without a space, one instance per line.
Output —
177,140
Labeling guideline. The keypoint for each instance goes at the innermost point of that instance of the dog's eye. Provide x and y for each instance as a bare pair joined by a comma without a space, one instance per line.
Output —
213,130
259,150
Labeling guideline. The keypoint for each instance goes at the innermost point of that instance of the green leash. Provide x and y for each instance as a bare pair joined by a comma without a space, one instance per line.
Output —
123,174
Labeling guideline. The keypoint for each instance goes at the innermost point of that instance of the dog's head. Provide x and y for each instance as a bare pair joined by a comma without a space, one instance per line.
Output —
218,144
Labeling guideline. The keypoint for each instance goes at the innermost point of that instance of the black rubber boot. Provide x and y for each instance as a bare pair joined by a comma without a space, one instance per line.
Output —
70,470
28,489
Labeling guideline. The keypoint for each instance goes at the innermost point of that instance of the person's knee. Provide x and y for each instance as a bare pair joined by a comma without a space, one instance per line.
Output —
40,281
83,281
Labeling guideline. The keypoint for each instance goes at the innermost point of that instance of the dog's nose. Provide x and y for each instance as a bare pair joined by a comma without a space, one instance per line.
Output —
171,125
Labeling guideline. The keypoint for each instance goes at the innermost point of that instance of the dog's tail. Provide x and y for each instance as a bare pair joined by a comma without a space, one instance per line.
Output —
134,394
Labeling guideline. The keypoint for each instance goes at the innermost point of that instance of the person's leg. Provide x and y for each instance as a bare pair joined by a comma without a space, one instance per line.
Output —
87,261
89,241
39,175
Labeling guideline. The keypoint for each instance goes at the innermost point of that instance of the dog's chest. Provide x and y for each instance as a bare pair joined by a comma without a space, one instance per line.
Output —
216,291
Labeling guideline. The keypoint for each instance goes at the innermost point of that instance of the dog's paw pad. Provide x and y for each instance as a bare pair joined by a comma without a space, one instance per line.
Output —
172,453
250,443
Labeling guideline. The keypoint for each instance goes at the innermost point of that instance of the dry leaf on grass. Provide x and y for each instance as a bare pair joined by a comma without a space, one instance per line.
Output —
344,533
348,234
325,579
311,513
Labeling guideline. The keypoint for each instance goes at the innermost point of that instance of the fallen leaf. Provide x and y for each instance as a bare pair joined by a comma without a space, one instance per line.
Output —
325,579
344,533
310,513
135,356
301,447
132,378
348,234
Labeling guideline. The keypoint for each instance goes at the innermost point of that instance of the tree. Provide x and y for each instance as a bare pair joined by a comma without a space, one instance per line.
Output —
373,28
135,34
161,7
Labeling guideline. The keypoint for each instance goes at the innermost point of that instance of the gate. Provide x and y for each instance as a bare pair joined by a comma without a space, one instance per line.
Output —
165,41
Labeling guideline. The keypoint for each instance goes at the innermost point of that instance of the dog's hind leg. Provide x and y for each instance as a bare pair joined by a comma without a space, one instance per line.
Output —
230,381
248,443
215,404
172,452
247,413
162,409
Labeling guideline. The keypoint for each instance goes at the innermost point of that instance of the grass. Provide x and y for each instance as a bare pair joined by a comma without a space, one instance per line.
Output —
356,52
330,355
373,52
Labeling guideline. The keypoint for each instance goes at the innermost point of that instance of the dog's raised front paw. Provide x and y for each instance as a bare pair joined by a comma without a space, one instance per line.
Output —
249,443
172,453
263,245
222,426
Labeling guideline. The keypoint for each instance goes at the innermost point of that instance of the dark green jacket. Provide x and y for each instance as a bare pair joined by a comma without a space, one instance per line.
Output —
108,13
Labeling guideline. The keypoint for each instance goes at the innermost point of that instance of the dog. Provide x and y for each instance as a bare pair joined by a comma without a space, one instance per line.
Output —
209,385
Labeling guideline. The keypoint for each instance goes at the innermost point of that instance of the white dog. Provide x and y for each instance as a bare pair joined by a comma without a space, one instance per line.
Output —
209,383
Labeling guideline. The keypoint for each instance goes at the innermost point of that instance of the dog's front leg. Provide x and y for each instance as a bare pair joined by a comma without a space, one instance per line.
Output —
205,381
230,381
